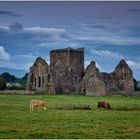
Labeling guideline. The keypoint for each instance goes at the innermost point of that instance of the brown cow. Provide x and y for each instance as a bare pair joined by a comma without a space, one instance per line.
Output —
104,104
37,103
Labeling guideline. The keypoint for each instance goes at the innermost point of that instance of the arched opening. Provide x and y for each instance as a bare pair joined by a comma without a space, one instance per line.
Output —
84,90
75,78
49,77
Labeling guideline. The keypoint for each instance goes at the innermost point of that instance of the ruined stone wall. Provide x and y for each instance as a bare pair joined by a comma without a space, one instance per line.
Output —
66,74
37,77
110,82
120,81
92,83
124,78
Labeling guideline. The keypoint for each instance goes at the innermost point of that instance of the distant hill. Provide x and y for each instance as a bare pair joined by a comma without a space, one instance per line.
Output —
9,78
13,79
17,73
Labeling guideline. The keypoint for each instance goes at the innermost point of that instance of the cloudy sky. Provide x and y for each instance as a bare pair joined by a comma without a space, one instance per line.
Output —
109,31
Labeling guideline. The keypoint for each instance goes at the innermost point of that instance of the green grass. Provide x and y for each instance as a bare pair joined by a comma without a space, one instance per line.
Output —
17,121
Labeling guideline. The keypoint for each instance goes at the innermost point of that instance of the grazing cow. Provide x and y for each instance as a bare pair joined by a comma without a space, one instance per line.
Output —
37,103
104,104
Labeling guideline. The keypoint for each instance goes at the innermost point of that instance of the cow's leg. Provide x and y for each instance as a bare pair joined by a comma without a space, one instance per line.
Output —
31,107
40,107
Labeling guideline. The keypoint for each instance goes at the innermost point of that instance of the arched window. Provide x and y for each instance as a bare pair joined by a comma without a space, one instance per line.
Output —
39,81
75,78
71,69
49,77
84,90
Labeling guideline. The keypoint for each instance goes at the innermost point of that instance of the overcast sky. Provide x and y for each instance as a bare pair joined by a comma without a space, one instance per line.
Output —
109,31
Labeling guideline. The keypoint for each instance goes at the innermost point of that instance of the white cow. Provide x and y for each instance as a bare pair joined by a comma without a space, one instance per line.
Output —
37,103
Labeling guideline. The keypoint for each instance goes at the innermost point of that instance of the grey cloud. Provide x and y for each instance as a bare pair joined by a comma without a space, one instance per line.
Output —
110,39
5,13
8,13
50,34
93,25
109,27
99,26
16,27
32,34
133,10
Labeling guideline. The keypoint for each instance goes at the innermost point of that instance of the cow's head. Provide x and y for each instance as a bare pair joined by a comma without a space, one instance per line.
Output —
99,104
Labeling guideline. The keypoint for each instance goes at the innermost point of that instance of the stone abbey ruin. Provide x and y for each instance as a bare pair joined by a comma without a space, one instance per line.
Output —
66,74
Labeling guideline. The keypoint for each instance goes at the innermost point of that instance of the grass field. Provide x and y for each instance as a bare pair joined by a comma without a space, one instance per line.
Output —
17,121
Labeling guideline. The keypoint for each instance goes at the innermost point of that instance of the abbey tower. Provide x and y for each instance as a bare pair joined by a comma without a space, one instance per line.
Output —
67,68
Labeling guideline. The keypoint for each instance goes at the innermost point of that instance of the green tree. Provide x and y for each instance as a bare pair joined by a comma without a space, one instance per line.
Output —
23,81
136,85
2,84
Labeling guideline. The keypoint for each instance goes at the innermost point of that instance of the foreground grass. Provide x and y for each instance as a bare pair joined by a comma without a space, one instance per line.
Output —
16,121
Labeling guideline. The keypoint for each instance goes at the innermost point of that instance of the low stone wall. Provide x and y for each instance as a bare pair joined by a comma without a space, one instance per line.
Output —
28,92
136,93
20,92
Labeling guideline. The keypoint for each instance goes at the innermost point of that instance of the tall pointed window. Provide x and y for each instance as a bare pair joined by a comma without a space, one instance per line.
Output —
39,81
75,78
49,77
